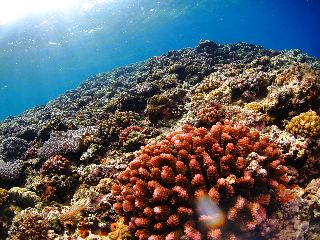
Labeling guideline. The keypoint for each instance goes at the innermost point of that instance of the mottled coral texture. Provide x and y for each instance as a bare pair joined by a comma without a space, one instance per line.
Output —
10,171
233,166
13,148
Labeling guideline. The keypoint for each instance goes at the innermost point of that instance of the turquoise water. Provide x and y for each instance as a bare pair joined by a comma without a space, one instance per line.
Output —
44,54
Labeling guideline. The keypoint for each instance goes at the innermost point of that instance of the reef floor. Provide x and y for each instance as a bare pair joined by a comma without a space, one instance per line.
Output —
212,142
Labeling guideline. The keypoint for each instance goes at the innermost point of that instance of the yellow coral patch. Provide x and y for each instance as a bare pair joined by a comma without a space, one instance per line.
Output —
306,124
3,196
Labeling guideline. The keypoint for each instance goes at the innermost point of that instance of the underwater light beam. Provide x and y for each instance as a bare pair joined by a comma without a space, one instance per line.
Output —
11,10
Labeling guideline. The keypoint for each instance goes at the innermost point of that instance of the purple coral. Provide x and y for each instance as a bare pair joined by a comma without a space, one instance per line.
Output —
72,141
10,171
13,148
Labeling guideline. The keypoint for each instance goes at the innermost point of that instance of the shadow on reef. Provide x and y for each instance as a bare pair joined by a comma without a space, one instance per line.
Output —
212,142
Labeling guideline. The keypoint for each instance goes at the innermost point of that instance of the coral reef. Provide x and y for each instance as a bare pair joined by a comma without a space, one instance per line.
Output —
23,197
119,231
166,105
209,114
230,165
114,123
58,162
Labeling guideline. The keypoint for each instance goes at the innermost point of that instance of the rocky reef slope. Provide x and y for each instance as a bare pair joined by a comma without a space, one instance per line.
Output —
212,142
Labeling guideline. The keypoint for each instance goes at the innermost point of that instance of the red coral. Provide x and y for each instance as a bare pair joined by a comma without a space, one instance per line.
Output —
56,165
209,115
237,172
125,132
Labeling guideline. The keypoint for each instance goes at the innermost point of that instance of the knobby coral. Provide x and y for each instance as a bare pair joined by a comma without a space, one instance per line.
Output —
119,231
209,115
306,124
161,191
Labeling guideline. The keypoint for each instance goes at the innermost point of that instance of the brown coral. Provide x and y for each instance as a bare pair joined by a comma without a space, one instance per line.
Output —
166,105
114,123
233,167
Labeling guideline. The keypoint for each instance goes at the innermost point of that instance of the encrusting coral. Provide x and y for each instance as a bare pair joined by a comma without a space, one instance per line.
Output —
231,166
71,141
306,124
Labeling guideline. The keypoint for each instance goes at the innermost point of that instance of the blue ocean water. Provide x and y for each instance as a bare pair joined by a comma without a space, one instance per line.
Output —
43,54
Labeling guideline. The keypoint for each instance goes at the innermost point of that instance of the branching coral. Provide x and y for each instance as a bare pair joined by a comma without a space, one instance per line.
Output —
306,124
230,165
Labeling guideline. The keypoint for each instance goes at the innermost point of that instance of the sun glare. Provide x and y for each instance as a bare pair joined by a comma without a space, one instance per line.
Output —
11,10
